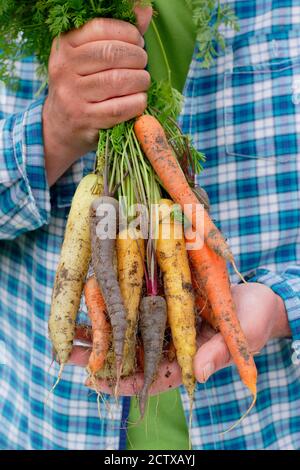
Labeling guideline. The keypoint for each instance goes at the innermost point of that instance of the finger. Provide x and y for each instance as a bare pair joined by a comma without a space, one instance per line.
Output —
97,56
80,356
114,83
105,29
143,17
116,110
211,357
205,334
83,333
168,377
128,386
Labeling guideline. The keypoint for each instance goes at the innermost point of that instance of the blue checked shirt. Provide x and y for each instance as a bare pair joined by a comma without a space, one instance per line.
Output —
244,113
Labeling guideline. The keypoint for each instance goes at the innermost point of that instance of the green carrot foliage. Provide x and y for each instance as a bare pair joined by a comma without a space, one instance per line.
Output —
27,27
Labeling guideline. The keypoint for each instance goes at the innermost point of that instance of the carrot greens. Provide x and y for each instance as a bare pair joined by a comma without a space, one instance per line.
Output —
27,27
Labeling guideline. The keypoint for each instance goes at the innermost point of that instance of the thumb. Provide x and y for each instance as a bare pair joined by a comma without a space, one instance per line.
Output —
143,16
211,357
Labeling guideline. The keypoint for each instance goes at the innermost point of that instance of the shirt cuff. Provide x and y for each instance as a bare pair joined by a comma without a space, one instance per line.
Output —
28,147
288,288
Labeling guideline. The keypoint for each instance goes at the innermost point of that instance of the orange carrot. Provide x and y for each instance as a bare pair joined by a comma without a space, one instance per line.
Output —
100,325
203,305
154,143
211,272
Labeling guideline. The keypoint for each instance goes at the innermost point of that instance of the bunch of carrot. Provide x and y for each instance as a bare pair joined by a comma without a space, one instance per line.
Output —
208,263
139,287
126,303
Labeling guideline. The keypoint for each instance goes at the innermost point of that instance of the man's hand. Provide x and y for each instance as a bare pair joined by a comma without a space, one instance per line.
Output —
263,317
96,80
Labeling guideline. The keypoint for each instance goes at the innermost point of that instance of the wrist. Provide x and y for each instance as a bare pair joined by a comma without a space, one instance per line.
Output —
57,159
61,150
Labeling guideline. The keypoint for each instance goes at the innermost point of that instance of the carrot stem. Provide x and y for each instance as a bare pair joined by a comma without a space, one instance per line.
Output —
163,51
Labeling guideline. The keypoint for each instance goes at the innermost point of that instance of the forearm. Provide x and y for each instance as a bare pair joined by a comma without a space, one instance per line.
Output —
60,153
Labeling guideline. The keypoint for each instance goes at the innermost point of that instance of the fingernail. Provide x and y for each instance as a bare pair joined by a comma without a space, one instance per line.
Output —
208,370
142,42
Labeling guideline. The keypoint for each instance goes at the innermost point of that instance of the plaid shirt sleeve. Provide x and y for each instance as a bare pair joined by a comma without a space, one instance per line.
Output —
287,286
24,192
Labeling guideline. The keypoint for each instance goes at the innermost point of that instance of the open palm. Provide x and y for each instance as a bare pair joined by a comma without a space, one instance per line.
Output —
262,317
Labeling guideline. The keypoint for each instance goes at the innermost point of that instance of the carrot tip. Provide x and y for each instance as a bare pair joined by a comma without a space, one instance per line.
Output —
56,382
190,422
237,272
119,367
142,402
51,364
242,418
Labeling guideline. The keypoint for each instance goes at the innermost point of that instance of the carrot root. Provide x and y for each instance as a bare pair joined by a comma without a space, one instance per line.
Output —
130,258
103,251
152,324
211,272
61,368
242,418
71,271
154,143
101,329
173,262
